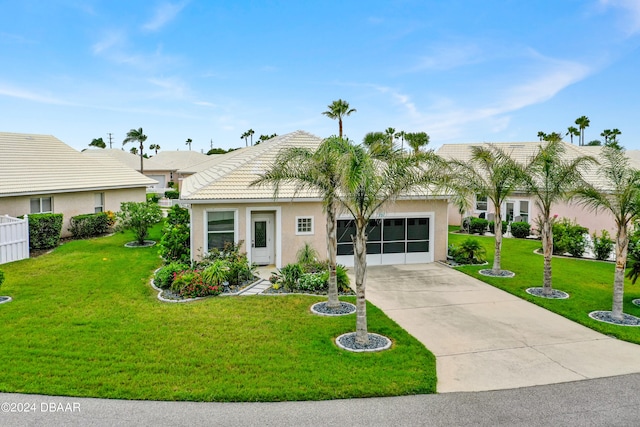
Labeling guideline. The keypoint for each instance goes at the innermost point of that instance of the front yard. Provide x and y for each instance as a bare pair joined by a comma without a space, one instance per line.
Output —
589,283
85,322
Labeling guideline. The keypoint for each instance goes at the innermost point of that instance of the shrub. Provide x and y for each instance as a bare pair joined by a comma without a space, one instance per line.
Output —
290,274
307,254
240,270
470,251
171,184
478,225
216,273
602,246
138,217
172,194
520,229
466,224
152,198
191,284
313,282
44,230
342,278
568,236
492,226
89,225
164,276
174,244
1,277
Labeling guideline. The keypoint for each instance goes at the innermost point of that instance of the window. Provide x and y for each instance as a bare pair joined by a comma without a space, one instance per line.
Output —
304,225
221,226
388,236
98,202
524,210
41,205
481,203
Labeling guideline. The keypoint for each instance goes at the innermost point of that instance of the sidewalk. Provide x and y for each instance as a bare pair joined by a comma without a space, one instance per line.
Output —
486,339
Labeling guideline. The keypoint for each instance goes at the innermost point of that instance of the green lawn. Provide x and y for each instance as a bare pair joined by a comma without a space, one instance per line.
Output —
589,283
85,322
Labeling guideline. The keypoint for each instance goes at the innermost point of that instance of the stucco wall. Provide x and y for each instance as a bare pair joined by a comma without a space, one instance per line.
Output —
72,204
290,243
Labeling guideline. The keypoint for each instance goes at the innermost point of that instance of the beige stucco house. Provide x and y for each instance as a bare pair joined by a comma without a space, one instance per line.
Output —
41,174
521,206
225,208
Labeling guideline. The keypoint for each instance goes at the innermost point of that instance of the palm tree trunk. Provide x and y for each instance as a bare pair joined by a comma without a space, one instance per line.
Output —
622,245
141,168
547,249
360,266
340,127
498,245
333,301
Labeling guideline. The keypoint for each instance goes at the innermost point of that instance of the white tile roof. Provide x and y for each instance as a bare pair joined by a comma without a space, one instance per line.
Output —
229,175
212,159
126,158
176,159
38,164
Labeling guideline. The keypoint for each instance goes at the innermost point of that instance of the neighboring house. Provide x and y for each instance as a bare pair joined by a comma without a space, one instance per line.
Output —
520,206
176,161
224,208
41,174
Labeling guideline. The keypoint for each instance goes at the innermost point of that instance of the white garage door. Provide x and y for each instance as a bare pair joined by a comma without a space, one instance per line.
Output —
397,240
161,181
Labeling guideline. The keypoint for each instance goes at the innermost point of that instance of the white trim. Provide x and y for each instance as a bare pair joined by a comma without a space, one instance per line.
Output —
40,211
278,229
305,233
206,226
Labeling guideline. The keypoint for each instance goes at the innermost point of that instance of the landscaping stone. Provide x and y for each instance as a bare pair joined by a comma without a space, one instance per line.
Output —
322,309
146,244
4,299
555,294
606,316
502,273
376,343
636,302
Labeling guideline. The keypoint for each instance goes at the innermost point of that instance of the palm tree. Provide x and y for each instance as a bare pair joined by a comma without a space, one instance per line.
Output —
551,178
582,122
417,140
571,131
245,136
154,147
606,134
368,184
401,135
98,142
250,132
493,173
620,195
541,135
377,143
614,134
139,136
553,136
134,150
189,141
391,134
316,171
337,110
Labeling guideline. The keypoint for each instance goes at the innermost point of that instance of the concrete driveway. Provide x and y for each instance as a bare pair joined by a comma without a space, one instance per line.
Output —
486,339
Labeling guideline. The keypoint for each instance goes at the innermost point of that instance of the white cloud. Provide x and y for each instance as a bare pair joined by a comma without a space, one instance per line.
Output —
447,57
111,40
15,92
631,10
164,14
172,87
204,104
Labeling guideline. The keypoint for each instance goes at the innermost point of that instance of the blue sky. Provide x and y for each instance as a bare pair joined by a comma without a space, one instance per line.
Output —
462,71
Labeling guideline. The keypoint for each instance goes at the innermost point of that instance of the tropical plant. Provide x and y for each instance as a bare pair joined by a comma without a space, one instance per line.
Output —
217,272
317,171
602,246
619,194
250,132
188,142
134,150
154,147
572,131
493,173
366,185
401,134
569,237
582,122
174,244
137,135
307,254
478,225
290,274
98,142
470,251
492,227
245,136
337,110
138,217
378,143
417,140
313,282
550,178
163,278
520,229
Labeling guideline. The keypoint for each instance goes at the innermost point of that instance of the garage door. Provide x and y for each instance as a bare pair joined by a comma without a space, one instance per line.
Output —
161,181
401,240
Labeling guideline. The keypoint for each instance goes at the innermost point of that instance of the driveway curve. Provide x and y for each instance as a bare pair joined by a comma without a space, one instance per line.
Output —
487,339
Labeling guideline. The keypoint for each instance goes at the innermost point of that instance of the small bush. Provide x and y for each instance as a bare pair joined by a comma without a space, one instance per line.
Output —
466,224
191,284
520,229
138,217
172,194
290,274
492,227
89,225
342,278
44,230
478,225
152,198
602,246
568,236
164,276
171,184
240,271
313,282
470,251
174,244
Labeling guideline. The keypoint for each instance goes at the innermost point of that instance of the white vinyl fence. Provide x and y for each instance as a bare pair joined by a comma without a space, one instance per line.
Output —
14,239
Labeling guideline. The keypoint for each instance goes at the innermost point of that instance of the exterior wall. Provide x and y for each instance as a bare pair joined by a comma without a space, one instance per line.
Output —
285,229
72,204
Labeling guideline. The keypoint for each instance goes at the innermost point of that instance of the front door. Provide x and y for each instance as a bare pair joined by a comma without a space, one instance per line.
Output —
262,241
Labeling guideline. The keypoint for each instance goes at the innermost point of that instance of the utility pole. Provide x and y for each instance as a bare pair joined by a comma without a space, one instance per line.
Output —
110,142
212,143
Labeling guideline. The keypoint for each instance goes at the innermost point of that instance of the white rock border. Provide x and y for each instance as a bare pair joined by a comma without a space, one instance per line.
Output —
364,350
313,310
592,315
163,299
530,292
636,302
506,276
5,299
151,244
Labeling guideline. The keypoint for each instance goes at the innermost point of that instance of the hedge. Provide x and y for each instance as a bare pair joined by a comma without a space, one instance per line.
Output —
44,230
520,229
172,194
89,225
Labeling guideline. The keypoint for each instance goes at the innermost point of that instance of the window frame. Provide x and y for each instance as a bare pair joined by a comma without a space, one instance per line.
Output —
206,226
98,206
311,230
40,198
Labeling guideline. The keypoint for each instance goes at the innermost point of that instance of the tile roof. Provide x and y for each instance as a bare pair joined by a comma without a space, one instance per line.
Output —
229,175
175,160
126,158
37,164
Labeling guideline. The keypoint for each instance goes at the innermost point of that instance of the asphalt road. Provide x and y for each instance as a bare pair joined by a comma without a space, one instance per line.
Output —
613,401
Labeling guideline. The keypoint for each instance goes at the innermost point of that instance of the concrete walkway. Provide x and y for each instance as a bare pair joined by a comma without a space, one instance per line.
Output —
486,339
